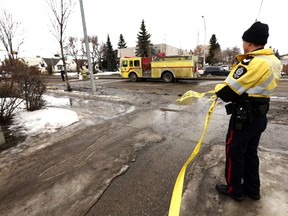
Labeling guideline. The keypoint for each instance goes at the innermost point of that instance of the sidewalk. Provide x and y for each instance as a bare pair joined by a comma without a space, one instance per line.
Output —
201,198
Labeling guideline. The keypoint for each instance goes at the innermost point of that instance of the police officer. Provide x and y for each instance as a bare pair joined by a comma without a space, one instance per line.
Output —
248,89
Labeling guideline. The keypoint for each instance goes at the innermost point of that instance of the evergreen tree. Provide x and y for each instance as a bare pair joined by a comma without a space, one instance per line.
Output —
103,54
121,43
110,57
143,46
213,51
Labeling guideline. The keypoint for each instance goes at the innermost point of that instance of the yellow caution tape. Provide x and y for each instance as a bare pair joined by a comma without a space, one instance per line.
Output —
191,93
178,187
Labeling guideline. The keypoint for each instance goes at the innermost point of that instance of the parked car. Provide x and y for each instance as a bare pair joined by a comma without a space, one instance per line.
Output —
216,71
201,72
226,67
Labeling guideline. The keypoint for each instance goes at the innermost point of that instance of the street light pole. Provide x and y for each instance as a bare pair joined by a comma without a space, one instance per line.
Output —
204,42
93,89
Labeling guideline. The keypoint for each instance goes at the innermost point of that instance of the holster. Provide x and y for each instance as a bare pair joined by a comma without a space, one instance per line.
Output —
240,116
229,108
241,113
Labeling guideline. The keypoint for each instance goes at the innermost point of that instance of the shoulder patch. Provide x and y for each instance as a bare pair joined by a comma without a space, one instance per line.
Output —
247,60
240,71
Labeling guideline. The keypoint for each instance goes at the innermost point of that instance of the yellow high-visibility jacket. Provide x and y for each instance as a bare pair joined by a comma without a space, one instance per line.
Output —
256,74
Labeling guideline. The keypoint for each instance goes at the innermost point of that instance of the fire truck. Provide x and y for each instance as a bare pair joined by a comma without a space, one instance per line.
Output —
167,68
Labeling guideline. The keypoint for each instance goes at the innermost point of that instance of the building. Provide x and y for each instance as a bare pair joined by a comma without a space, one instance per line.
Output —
55,63
157,48
37,62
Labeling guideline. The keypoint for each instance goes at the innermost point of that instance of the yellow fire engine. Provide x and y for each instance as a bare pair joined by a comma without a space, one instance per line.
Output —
167,68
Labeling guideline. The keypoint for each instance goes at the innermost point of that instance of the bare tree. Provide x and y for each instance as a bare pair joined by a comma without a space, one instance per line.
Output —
73,49
230,54
199,50
23,84
95,52
61,10
103,53
8,30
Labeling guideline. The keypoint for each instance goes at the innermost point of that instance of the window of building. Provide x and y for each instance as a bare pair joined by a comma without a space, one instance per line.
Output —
60,67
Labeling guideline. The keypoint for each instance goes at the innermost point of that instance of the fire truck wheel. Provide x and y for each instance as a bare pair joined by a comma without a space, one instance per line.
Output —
133,77
167,77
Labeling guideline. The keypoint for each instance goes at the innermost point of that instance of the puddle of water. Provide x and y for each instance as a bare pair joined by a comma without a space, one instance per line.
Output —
209,82
124,112
152,118
102,109
164,117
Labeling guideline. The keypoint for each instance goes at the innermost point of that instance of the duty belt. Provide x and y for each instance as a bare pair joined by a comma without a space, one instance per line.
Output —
245,111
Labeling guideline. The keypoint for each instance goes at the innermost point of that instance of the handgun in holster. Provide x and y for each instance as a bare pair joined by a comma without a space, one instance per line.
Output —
240,116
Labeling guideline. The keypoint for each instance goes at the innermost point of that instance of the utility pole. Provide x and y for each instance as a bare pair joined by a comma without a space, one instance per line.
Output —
93,88
204,42
259,11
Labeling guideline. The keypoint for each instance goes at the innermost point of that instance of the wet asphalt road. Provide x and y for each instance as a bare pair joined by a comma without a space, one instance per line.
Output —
109,165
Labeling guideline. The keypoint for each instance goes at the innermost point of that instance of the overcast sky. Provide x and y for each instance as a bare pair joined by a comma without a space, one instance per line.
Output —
177,23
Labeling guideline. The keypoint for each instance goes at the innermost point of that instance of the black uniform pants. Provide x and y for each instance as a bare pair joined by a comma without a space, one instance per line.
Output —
242,162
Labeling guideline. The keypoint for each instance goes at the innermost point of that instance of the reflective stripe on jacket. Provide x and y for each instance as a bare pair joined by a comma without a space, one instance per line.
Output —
257,74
